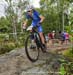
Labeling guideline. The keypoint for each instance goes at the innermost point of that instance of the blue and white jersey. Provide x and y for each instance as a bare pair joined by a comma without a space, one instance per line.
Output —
35,17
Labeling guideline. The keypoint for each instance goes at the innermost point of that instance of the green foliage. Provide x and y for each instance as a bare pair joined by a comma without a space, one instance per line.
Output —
4,37
53,12
51,9
62,70
4,25
7,43
66,68
69,53
6,47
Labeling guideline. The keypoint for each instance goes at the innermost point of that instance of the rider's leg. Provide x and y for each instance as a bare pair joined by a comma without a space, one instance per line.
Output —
42,37
40,30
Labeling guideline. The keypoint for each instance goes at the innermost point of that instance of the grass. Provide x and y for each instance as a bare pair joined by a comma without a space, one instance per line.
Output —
69,53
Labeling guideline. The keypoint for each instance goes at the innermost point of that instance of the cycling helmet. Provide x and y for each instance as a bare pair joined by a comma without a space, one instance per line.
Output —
29,7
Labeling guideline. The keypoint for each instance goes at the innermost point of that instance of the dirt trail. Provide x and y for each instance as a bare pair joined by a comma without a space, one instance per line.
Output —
17,63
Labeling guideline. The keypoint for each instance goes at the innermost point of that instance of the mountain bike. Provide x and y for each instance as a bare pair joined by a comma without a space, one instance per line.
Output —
33,53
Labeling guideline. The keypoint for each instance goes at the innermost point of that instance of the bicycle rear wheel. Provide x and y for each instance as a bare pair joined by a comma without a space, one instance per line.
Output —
32,53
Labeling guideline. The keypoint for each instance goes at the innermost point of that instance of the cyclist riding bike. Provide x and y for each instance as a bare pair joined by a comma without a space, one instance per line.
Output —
37,19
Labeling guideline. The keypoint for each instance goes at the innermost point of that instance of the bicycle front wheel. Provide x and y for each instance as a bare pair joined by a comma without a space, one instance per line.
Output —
31,52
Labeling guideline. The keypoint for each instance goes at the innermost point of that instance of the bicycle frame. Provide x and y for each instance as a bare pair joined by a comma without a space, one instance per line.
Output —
33,31
36,37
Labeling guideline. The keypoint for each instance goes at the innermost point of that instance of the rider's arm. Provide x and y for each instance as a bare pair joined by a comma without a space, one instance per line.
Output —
42,18
25,24
26,21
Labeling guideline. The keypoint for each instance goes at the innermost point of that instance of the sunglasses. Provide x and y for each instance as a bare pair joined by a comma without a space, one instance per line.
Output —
28,11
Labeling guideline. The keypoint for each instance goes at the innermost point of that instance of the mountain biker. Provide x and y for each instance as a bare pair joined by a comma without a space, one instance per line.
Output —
37,19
